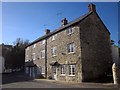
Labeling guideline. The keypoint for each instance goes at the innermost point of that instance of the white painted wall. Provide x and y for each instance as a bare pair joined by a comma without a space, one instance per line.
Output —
115,54
2,61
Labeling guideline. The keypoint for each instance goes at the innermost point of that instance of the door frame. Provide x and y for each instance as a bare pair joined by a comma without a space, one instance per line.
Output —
54,72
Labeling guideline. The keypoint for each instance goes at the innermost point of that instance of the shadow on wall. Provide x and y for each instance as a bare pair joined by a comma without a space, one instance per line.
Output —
15,77
119,75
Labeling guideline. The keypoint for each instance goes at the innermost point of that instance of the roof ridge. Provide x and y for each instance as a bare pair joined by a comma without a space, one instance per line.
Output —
61,28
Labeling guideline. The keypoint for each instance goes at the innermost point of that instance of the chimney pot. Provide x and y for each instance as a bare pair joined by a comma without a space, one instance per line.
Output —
47,31
64,22
91,7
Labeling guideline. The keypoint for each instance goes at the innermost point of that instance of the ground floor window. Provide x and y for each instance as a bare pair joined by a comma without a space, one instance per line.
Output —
62,69
72,69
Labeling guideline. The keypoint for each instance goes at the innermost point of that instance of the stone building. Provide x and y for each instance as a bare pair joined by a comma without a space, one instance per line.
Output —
77,51
3,49
2,61
115,54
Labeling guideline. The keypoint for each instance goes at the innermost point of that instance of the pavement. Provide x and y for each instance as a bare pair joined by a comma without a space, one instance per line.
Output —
21,80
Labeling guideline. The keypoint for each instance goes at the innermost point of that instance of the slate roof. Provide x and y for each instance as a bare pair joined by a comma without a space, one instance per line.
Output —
78,20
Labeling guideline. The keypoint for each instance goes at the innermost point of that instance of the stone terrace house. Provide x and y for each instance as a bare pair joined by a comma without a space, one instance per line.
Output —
77,51
3,51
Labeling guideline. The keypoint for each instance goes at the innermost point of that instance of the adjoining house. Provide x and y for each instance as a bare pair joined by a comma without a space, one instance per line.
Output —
77,51
115,55
2,64
2,61
3,50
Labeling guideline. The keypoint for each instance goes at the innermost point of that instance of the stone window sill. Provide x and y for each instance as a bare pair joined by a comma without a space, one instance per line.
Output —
54,56
71,75
62,75
71,52
42,58
70,34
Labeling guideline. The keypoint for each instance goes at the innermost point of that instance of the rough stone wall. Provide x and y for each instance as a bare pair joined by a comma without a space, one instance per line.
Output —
92,54
95,48
61,42
40,62
28,53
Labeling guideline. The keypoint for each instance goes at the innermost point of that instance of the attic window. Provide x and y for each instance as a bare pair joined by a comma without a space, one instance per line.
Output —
53,37
70,30
34,45
43,41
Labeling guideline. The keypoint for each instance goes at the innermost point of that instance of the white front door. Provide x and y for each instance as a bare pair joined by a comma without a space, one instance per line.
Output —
54,72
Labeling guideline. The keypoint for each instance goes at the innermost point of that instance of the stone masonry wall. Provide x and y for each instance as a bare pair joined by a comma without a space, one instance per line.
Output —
61,42
40,62
92,54
95,48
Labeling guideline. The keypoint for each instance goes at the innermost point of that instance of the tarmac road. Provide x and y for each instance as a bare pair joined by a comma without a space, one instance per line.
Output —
20,80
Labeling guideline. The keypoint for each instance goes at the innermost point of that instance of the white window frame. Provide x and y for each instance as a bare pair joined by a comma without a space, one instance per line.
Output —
62,69
53,37
42,54
70,48
34,45
69,31
71,72
43,41
54,51
33,56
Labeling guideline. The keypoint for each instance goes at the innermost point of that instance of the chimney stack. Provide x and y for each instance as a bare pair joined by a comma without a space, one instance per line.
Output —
64,22
47,31
91,7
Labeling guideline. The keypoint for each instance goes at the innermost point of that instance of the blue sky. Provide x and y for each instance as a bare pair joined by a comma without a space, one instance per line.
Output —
29,20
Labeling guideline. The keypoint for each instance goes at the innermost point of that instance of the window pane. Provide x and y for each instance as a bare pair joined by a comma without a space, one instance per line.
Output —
42,54
53,37
43,41
69,31
34,45
62,69
71,69
70,48
53,51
